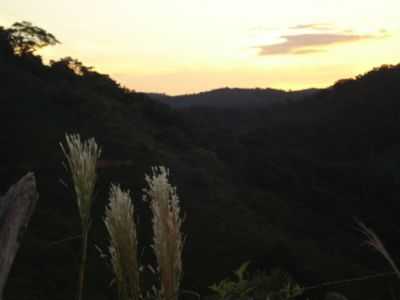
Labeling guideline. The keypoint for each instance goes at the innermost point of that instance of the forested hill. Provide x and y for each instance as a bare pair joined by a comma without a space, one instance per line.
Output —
233,98
334,156
281,192
39,104
350,131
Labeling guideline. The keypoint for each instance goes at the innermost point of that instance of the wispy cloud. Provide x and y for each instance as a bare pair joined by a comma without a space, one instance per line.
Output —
314,26
314,37
309,43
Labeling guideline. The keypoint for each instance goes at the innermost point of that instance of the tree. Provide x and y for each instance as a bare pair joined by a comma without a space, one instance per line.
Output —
71,64
5,47
26,38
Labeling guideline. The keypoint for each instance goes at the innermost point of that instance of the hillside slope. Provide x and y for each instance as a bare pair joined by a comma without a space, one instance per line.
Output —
39,104
281,193
233,98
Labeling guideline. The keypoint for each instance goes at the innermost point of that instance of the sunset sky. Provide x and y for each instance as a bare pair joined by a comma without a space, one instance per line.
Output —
185,46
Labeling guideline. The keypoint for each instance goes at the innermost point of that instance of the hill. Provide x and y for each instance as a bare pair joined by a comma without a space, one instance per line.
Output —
233,98
280,188
334,157
39,104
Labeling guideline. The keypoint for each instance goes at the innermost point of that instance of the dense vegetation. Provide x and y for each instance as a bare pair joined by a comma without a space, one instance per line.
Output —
278,186
243,99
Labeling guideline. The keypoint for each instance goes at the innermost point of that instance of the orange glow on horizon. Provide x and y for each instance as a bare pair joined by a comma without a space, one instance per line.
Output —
189,46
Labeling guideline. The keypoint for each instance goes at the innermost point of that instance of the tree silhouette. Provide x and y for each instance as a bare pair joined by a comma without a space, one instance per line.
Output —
5,47
26,38
71,64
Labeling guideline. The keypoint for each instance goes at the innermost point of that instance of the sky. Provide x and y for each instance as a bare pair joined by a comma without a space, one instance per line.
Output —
187,46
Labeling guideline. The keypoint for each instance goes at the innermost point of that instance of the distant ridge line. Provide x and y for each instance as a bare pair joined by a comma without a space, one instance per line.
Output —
233,97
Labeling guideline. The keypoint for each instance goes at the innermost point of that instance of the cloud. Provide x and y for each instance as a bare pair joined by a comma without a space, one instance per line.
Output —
313,26
307,43
308,51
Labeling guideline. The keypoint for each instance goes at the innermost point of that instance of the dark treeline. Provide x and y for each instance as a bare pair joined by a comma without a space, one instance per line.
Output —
279,186
243,99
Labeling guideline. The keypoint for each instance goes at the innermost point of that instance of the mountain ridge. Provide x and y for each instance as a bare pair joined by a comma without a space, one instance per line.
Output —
227,97
282,191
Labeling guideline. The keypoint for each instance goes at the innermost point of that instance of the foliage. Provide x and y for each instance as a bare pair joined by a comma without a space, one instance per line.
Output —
25,38
276,286
237,289
279,186
66,64
6,50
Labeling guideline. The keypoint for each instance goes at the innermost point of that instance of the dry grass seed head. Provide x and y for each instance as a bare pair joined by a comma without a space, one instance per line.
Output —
167,241
375,242
82,158
121,228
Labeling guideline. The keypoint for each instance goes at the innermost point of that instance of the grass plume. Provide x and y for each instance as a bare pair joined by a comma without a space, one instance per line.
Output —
121,228
375,242
167,240
81,159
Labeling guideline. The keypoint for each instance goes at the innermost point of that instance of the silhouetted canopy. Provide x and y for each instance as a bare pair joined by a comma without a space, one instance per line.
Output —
25,38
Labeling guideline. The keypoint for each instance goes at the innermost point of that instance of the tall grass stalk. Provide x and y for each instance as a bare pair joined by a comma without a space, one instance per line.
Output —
167,241
81,159
375,242
121,228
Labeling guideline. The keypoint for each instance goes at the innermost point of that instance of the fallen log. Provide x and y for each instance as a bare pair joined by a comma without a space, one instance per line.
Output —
16,208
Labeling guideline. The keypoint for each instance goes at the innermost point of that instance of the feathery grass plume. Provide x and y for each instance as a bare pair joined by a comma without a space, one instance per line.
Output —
375,242
81,159
167,240
121,228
